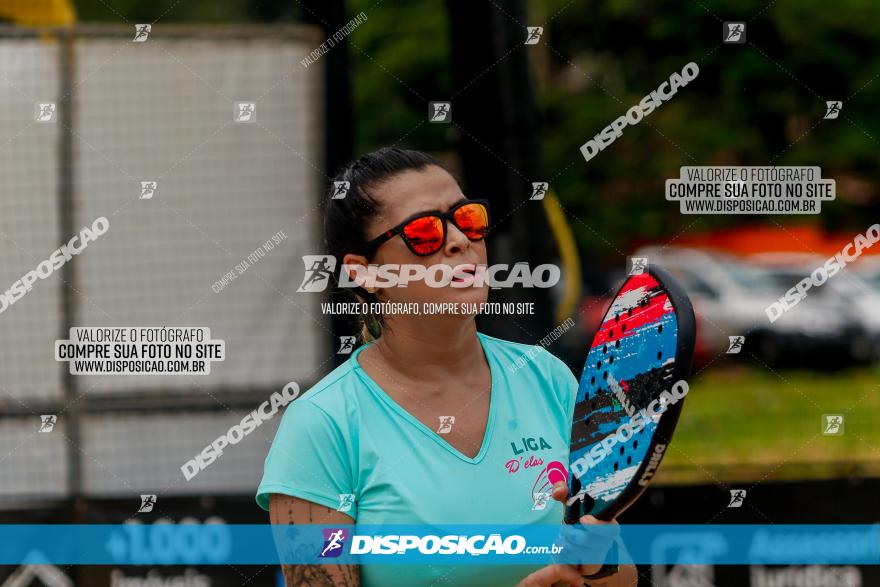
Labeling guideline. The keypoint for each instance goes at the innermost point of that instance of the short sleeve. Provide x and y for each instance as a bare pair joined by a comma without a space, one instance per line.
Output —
308,459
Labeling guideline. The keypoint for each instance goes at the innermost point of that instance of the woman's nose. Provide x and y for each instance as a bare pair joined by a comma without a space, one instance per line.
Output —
456,241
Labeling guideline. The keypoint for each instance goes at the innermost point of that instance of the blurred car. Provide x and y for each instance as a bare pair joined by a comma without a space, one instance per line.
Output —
574,346
856,299
869,271
730,298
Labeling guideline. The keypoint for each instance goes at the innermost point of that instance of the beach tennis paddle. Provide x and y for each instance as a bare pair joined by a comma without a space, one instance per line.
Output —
630,395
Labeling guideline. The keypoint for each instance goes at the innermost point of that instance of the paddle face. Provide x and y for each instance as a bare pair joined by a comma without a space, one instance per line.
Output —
631,392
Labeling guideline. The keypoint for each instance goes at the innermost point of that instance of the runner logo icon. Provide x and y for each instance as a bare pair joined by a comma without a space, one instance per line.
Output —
734,32
737,497
533,34
319,270
334,540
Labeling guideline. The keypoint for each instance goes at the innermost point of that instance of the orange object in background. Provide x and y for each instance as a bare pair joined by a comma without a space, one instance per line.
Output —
34,13
756,239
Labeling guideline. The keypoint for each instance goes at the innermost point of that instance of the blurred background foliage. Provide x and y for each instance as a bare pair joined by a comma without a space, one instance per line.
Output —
754,104
759,103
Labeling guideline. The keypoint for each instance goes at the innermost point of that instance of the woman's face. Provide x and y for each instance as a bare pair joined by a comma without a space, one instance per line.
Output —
404,195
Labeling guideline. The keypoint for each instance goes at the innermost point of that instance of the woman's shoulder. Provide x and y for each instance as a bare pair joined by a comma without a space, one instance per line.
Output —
518,352
336,392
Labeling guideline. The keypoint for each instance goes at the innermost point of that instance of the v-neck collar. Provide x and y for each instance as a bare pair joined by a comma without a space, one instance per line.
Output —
494,392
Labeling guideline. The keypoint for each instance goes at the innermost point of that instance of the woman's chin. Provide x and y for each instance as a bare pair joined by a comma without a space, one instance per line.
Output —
464,295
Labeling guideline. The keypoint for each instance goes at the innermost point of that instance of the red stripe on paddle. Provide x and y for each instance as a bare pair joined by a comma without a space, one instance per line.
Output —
612,329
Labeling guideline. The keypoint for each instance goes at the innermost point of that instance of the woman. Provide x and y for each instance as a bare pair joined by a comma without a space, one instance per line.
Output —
378,427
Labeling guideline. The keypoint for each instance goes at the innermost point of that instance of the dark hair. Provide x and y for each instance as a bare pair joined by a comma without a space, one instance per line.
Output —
345,219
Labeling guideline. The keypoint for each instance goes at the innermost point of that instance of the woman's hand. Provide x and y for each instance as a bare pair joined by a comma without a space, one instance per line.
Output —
560,493
561,575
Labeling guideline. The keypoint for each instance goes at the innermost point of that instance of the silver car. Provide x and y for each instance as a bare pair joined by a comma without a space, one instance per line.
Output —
731,297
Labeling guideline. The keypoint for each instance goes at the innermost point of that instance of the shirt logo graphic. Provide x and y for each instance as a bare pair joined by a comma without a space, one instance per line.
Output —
552,474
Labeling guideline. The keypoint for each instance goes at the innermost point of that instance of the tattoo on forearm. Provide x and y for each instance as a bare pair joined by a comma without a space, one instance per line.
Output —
319,576
290,512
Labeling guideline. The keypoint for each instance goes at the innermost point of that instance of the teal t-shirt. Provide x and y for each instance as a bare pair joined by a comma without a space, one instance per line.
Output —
347,436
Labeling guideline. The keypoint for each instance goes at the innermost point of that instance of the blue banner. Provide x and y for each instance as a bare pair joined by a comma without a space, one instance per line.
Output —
222,544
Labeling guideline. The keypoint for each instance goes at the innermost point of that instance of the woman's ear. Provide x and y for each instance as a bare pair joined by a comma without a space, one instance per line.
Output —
357,270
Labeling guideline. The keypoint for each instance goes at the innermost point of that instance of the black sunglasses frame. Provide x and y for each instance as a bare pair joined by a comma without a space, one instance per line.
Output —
371,247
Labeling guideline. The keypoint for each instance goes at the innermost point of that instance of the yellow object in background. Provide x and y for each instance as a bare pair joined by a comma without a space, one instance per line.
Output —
34,13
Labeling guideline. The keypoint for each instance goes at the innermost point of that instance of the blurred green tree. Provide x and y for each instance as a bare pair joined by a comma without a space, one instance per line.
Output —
753,104
758,103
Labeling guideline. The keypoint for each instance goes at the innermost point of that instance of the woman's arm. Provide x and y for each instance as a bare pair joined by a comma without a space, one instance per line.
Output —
284,509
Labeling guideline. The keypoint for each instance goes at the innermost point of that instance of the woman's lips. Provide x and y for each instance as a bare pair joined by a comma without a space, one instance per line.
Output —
469,272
